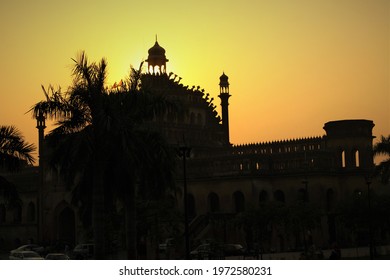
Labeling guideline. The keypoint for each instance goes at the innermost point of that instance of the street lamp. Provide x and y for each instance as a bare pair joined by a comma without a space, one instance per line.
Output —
184,152
305,182
371,243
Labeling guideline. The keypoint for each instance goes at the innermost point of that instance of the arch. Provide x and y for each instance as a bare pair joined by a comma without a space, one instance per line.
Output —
302,195
357,194
3,213
192,118
191,206
199,119
279,196
330,200
31,212
238,202
357,158
65,223
263,196
343,163
213,202
180,117
17,211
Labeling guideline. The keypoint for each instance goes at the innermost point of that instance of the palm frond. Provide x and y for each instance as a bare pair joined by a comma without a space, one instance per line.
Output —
13,148
383,146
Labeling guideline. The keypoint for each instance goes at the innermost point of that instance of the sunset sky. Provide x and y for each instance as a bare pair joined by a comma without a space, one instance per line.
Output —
292,64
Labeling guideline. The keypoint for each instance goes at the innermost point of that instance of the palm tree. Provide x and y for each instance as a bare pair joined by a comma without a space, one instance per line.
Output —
141,161
14,151
383,148
81,122
103,145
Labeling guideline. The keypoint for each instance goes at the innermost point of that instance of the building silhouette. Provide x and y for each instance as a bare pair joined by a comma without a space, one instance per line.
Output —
223,179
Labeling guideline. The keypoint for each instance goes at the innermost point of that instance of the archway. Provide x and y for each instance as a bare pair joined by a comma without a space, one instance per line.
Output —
31,212
279,196
263,197
66,230
213,202
239,202
191,206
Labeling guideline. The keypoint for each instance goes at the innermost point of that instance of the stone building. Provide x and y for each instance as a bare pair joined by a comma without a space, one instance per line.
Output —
223,179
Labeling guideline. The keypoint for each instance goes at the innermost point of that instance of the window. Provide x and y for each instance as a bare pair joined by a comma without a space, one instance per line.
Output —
199,119
263,196
357,159
191,206
329,200
31,212
279,196
302,195
17,213
343,159
192,118
3,213
239,202
213,202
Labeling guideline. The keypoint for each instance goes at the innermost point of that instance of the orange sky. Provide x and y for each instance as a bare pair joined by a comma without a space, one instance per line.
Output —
292,64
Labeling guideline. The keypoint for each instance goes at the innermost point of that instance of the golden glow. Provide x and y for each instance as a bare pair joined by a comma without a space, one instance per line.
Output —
292,65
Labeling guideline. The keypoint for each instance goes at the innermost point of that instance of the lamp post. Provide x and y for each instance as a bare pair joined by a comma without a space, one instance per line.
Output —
368,182
184,152
305,182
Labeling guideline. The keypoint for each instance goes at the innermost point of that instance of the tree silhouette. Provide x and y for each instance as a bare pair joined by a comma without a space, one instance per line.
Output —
14,153
383,148
102,145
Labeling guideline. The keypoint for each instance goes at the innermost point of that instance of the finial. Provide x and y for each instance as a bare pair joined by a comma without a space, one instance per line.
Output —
156,37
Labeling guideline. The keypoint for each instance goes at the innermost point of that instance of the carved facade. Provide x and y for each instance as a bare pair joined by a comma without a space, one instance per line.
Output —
224,179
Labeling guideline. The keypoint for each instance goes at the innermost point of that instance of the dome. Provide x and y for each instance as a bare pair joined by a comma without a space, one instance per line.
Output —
223,80
156,59
156,50
223,77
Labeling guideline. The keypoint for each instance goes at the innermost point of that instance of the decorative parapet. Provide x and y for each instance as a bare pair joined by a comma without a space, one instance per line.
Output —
281,146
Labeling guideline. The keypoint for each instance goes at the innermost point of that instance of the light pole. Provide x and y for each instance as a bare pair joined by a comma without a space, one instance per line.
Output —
184,152
305,182
368,182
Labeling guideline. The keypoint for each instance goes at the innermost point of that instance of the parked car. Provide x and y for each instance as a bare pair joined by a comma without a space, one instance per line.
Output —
24,255
56,256
31,247
83,251
233,250
201,252
210,250
169,243
60,246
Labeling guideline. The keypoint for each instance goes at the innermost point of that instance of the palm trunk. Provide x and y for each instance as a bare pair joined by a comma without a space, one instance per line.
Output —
131,223
98,212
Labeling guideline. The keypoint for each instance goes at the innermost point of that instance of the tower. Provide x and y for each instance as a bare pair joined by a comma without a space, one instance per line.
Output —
157,59
351,143
224,95
41,125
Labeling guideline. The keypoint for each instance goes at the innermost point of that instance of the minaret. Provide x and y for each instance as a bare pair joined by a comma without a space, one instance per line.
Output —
224,95
41,125
157,59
